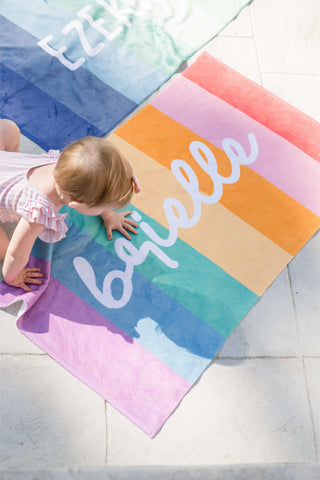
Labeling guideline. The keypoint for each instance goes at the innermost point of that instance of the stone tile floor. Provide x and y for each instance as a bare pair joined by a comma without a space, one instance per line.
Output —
255,413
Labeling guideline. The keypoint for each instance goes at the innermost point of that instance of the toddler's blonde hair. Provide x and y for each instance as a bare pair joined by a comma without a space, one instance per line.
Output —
93,171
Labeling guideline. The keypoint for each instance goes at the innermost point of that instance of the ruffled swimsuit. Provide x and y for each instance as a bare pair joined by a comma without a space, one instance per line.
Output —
18,198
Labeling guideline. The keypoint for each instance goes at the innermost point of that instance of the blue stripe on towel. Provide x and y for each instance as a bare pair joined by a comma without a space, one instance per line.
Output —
35,111
163,326
114,65
80,91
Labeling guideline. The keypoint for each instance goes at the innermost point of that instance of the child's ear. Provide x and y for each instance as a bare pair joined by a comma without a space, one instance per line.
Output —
74,204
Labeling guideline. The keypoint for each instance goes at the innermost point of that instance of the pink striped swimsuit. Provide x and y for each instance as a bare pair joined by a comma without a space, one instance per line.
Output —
18,198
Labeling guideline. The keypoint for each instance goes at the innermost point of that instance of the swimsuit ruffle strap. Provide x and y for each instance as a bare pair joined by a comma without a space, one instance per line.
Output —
47,215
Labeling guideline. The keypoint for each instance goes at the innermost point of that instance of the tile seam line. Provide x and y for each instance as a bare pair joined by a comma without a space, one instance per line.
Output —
234,36
260,357
22,354
255,43
305,379
107,432
288,272
315,443
224,357
80,470
293,74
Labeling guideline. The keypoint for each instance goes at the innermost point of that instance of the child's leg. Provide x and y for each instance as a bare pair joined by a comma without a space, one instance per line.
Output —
9,141
4,242
9,136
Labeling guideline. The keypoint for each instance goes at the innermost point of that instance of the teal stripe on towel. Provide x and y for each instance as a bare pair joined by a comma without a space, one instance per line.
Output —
200,285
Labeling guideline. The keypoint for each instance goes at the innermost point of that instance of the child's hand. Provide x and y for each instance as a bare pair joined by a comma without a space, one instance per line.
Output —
27,275
118,221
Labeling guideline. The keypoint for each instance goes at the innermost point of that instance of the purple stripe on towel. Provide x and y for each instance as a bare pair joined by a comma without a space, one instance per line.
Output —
104,357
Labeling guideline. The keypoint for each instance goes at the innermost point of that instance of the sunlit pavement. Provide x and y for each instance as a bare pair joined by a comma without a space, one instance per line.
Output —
255,413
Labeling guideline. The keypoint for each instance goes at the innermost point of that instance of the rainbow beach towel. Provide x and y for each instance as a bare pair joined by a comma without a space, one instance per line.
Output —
72,68
230,177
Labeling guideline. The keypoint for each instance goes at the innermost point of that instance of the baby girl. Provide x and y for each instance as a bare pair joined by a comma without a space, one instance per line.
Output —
90,175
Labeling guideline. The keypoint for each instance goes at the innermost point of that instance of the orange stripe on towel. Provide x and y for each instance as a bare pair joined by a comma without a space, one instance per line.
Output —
255,200
239,249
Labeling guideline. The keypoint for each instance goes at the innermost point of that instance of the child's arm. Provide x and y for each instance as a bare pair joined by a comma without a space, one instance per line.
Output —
17,256
118,221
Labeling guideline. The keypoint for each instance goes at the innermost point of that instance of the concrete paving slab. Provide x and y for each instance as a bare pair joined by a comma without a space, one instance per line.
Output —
312,366
48,417
28,146
242,410
295,89
304,272
254,411
286,35
240,27
11,339
236,472
238,53
269,329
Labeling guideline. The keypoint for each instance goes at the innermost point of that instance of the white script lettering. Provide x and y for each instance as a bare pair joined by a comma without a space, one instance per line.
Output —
92,52
43,43
131,256
111,7
97,24
121,15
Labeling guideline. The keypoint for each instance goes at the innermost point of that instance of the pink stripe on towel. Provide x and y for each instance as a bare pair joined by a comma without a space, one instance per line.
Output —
104,357
279,162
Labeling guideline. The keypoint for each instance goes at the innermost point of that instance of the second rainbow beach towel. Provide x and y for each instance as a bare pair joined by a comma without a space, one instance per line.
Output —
230,178
72,68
